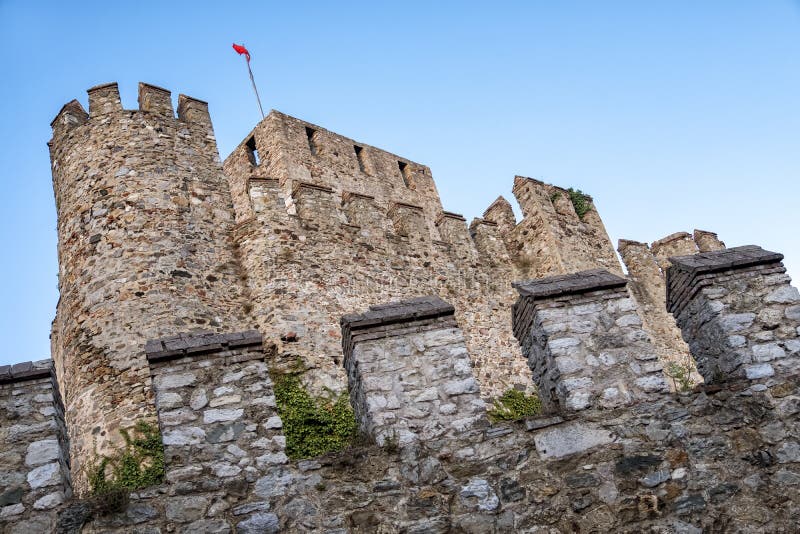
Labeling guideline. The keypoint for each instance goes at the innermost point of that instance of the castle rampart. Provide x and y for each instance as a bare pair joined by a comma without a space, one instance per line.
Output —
168,260
346,225
718,459
144,218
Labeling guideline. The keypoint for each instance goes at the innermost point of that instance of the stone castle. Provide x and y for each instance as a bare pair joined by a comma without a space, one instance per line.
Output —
186,282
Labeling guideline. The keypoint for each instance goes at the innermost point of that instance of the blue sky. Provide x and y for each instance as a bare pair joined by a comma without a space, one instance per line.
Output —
673,114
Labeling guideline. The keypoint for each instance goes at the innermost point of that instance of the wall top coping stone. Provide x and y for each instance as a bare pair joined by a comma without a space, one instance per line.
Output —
569,284
25,371
672,237
428,307
449,215
723,260
402,205
262,179
310,185
172,347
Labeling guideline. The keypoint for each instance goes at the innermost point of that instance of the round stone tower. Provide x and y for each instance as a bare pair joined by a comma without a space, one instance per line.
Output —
144,220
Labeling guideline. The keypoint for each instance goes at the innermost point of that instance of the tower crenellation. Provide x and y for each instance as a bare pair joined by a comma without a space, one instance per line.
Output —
144,217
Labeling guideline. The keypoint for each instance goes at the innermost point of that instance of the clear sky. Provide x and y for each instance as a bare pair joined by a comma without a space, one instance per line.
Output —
672,114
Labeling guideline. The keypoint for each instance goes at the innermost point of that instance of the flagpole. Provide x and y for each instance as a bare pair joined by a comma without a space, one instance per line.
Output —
255,90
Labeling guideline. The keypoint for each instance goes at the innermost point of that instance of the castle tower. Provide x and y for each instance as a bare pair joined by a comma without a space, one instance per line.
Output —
327,225
144,220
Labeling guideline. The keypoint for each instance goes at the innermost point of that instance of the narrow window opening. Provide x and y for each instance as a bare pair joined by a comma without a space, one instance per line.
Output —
404,172
360,157
252,152
310,135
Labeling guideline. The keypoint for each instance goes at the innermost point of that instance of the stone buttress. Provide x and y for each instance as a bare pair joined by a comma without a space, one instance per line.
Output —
738,313
144,217
409,373
34,457
584,341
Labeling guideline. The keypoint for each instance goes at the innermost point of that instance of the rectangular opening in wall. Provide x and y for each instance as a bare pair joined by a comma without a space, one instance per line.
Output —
310,135
404,172
252,152
360,157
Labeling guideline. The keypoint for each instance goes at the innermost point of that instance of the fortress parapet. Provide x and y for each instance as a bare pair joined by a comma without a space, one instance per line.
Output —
584,341
737,311
409,372
34,455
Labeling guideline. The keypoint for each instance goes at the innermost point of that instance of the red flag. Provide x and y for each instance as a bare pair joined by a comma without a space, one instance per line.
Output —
242,50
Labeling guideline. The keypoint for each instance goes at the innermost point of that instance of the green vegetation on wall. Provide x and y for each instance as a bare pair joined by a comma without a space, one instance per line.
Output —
681,374
312,425
138,465
513,405
581,201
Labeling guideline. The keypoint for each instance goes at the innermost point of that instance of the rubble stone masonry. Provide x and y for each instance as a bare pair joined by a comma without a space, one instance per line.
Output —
34,457
725,458
410,376
327,225
144,220
184,282
738,312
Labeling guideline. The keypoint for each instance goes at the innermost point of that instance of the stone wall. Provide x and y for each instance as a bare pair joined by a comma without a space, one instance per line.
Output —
144,220
725,458
327,225
34,460
646,265
584,341
552,239
410,377
738,312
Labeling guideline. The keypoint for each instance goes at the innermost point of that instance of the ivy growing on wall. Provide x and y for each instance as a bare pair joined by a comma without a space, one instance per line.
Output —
138,465
312,425
513,405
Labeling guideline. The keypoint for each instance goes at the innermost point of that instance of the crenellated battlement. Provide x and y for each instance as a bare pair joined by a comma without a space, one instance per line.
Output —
188,285
104,100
